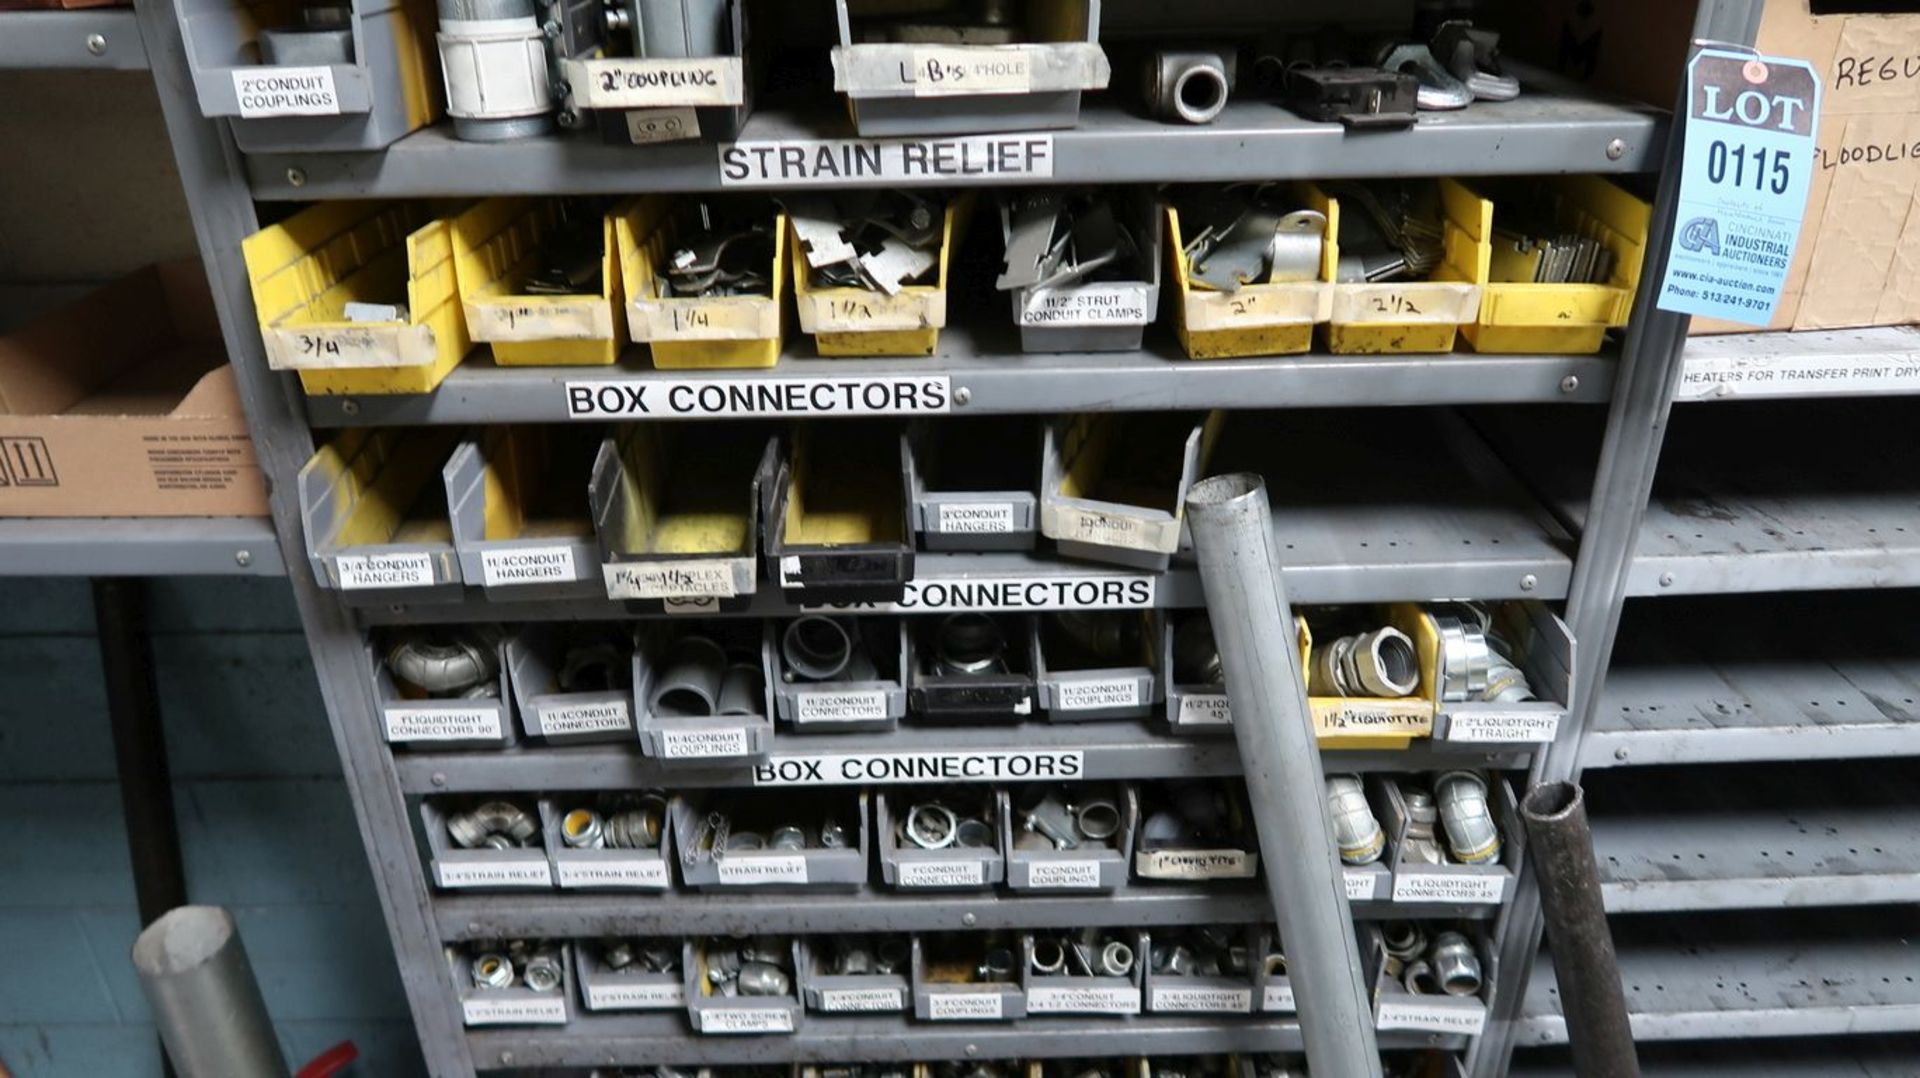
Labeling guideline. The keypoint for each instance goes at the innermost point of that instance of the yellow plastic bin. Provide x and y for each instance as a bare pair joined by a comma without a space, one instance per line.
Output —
1256,320
496,245
1521,316
306,269
859,322
1410,316
1359,722
687,333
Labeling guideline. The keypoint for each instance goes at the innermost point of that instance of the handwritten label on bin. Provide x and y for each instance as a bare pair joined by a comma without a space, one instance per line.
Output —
630,83
762,868
670,579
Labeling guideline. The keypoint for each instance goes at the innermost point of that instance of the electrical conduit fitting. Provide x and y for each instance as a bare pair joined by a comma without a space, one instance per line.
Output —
763,979
1467,816
583,829
1439,90
1116,959
1403,939
968,644
542,973
491,970
1381,663
788,837
1506,684
503,821
1191,86
690,680
1418,977
973,834
1048,956
1274,964
817,648
443,665
1473,57
1466,660
1455,965
931,826
1097,820
1356,830
493,60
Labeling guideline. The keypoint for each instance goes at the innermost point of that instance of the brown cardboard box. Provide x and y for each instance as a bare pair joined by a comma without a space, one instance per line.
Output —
121,404
1858,259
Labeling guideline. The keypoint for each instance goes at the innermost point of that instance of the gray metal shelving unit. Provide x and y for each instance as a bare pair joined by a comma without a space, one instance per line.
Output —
103,39
1425,528
168,546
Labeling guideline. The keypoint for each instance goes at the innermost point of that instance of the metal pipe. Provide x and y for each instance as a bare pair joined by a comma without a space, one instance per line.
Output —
194,970
1560,847
139,746
1286,788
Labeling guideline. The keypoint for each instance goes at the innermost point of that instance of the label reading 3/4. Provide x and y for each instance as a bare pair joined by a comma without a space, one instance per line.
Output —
526,565
963,1006
493,873
1430,1018
366,571
862,999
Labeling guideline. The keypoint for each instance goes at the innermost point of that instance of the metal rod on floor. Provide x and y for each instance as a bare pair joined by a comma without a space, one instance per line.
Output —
197,978
1259,654
139,746
1560,846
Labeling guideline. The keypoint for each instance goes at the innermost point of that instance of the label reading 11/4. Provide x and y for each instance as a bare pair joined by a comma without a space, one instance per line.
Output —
1743,184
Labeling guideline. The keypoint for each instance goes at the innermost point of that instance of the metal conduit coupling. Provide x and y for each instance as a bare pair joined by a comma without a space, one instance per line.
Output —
1466,660
1116,959
1506,684
491,970
1381,663
1098,820
763,979
816,647
442,664
1048,956
973,834
1356,830
542,973
1456,967
931,826
1417,977
969,643
1467,817
200,986
690,679
583,829
1404,940
1233,538
997,963
1191,86
1560,847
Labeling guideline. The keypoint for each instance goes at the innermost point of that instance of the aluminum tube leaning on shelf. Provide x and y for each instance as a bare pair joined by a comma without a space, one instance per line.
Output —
1286,788
213,1021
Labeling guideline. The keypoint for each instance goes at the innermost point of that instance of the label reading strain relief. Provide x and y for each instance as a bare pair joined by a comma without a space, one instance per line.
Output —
578,871
878,162
611,995
762,868
963,1006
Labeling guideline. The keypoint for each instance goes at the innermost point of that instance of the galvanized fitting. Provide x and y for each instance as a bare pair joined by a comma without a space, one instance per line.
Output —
1196,657
1417,977
495,824
997,964
542,973
1403,939
1355,828
742,691
444,664
1467,816
491,970
1466,660
1274,964
1172,961
1116,959
583,829
745,841
787,837
931,826
833,836
1049,956
1506,683
690,679
1381,663
816,647
616,954
852,960
968,645
1191,86
1097,820
1456,966
763,979
892,955
973,834
1053,818
637,828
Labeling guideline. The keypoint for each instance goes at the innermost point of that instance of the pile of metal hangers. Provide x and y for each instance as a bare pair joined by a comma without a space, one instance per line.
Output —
1061,238
718,252
881,241
1391,231
571,255
1248,233
1545,255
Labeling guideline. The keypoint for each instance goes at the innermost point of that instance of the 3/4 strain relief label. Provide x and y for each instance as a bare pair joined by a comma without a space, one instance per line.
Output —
576,870
515,873
744,1020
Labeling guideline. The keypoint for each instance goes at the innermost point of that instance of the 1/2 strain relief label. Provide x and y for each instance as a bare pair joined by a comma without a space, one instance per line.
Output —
1063,874
366,571
865,705
973,518
264,92
592,871
610,994
1097,695
1446,887
494,873
862,1000
964,1006
1204,709
700,744
516,1007
762,868
1465,1020
1077,999
443,724
588,717
941,874
745,1020
526,565
1184,999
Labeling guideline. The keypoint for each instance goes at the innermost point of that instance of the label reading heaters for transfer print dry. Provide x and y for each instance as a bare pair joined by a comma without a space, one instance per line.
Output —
1743,184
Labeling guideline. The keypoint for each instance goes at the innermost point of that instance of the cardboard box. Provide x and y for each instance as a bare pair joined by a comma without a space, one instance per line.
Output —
1858,259
121,404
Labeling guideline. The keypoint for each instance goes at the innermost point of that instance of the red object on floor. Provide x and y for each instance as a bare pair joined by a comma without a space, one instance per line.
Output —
330,1062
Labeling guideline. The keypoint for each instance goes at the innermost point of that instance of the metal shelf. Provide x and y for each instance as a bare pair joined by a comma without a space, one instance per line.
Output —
987,371
1542,131
1106,750
1855,1057
666,1038
683,913
1881,361
1706,681
168,546
103,39
1765,980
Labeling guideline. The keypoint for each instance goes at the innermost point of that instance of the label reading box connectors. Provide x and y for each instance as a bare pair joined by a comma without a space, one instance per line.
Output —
502,1010
1199,1000
611,995
636,872
702,744
746,1020
1460,888
986,765
1484,726
1204,709
762,868
1094,591
1064,875
750,398
1096,695
436,724
526,565
866,705
530,873
264,92
941,874
670,580
973,518
1090,999
1429,1018
963,1006
597,717
862,1000
366,571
